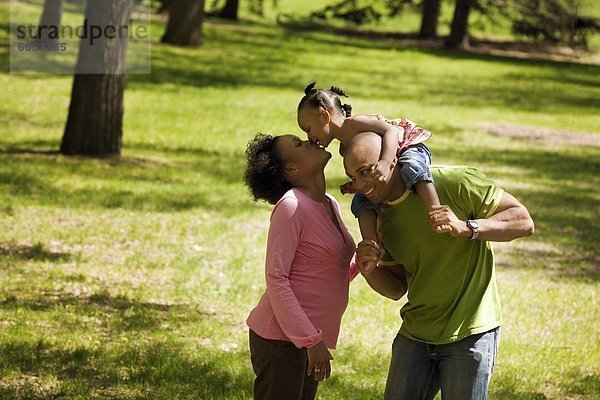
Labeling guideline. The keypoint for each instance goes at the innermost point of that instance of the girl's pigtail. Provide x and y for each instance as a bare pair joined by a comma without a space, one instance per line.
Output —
347,110
338,91
309,88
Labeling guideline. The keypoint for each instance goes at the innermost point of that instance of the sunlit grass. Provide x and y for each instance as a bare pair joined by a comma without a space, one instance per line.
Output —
131,278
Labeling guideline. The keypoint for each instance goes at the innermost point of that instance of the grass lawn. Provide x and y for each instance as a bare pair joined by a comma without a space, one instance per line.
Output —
131,278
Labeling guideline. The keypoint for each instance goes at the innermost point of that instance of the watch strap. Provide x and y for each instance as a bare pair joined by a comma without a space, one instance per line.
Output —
474,226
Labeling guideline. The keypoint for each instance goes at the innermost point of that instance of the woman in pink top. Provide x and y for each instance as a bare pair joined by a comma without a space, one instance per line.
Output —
309,250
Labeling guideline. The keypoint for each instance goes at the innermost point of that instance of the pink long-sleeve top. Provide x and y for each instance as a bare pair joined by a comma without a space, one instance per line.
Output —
307,271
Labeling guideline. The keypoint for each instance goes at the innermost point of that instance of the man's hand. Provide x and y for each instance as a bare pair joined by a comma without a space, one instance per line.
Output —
510,221
319,361
368,255
443,220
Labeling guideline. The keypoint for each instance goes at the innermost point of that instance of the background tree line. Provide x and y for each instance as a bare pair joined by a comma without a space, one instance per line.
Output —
554,21
94,123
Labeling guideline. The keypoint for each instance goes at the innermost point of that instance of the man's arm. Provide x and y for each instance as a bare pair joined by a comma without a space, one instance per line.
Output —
510,220
388,281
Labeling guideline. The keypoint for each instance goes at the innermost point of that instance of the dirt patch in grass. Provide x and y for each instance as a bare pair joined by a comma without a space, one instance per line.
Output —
30,386
552,137
532,51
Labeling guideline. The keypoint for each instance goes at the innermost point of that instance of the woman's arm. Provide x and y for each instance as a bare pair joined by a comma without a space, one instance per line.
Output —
282,242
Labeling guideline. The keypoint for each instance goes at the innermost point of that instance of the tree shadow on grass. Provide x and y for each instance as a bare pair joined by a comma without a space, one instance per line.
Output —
559,218
157,369
122,314
573,383
569,174
518,395
35,252
154,363
230,63
186,179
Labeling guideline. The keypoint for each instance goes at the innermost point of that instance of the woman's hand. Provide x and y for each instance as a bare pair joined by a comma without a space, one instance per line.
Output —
319,361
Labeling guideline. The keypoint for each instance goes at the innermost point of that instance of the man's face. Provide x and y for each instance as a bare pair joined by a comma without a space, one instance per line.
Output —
358,162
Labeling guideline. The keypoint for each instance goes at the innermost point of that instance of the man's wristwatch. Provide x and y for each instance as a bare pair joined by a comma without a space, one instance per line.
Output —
474,227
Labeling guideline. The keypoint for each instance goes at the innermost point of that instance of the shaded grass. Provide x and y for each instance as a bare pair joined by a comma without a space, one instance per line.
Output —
129,182
485,82
165,369
131,277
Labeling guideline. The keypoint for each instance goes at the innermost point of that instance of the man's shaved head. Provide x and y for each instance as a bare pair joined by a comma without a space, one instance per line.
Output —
363,147
361,154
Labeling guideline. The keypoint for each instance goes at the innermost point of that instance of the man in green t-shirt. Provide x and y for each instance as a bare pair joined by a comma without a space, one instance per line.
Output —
450,324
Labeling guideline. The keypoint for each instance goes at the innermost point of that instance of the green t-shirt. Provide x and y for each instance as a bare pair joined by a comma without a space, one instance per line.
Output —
452,290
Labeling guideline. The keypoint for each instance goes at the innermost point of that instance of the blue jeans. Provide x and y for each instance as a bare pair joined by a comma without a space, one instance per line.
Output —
414,164
462,370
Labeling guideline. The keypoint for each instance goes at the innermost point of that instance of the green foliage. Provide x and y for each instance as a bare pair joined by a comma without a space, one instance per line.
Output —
130,278
555,21
574,24
354,11
363,12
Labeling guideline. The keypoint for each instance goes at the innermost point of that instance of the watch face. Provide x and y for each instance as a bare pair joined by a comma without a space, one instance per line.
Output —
473,224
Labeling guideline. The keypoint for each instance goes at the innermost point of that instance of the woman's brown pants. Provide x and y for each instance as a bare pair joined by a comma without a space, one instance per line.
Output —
280,369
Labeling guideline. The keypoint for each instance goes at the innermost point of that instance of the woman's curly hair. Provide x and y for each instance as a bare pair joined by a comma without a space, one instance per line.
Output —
264,170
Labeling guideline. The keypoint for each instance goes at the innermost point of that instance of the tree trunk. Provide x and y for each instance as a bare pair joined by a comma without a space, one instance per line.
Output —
164,6
459,35
95,123
185,23
431,15
230,10
50,18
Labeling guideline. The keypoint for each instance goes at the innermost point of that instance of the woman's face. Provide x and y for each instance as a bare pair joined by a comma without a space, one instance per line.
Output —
315,122
304,155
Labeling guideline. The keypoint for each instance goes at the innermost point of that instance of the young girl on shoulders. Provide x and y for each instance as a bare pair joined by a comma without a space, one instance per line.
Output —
323,117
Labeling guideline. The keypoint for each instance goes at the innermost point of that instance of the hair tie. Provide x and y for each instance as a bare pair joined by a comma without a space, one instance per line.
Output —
309,88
